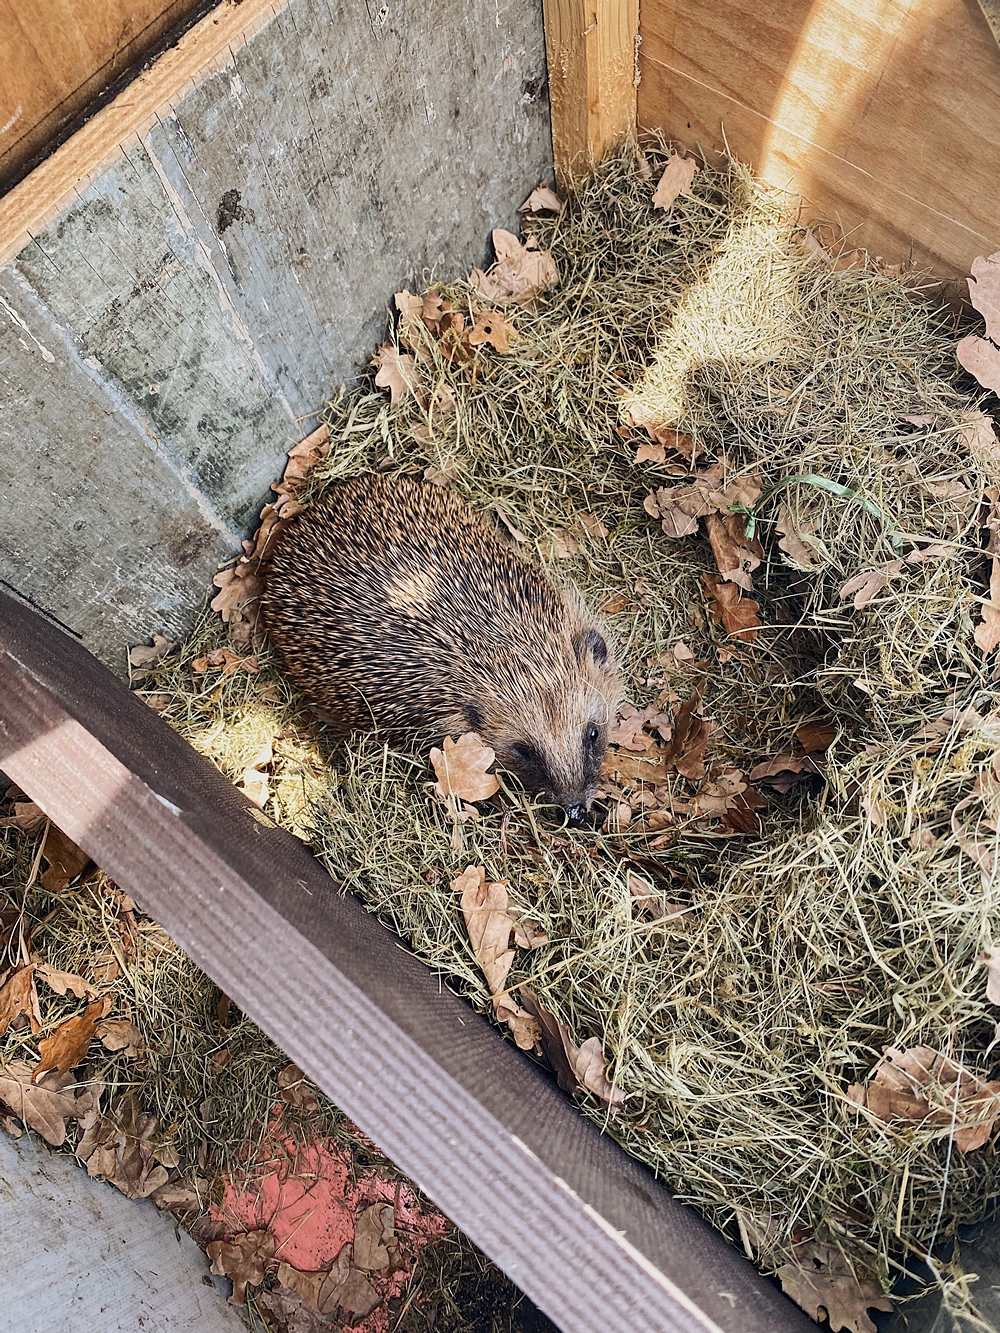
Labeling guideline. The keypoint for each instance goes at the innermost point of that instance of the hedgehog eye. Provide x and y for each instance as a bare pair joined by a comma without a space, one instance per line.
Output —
592,735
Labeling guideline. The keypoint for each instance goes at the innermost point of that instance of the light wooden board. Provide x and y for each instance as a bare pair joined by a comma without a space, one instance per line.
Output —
591,55
102,140
883,114
81,1258
58,57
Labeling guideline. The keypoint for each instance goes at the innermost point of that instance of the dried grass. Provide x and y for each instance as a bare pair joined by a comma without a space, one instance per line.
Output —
790,960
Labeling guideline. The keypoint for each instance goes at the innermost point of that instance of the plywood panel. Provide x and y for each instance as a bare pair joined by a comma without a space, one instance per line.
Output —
59,56
883,114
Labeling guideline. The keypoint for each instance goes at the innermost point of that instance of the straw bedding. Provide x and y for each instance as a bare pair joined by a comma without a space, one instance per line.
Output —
778,964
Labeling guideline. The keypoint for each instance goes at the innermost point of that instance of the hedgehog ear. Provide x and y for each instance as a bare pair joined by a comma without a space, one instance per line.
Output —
590,642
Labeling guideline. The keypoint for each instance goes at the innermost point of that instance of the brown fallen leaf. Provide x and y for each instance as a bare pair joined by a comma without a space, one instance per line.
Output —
689,741
239,591
981,359
17,998
61,982
491,327
542,200
629,729
27,816
515,532
373,1233
144,657
928,1089
66,861
118,1034
792,535
736,554
868,584
398,372
984,292
529,936
47,1105
816,735
987,634
677,177
980,438
489,927
991,957
783,771
229,661
575,1067
592,526
650,453
67,1045
821,1281
346,1288
737,614
242,1260
520,273
460,768
295,1090
680,507
180,1198
560,545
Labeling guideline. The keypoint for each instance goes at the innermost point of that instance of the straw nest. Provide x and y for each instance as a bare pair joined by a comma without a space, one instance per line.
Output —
780,964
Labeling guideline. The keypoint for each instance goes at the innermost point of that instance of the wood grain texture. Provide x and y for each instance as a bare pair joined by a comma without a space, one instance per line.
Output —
586,1231
591,56
59,56
99,143
883,114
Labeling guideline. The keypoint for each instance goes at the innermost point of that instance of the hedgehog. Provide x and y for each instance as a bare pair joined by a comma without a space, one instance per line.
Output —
397,610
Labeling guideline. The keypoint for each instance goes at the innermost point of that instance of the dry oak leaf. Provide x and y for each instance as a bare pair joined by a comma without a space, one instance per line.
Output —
981,359
398,372
863,587
484,906
687,745
575,1066
821,1281
242,1260
144,657
560,545
27,816
491,327
17,997
520,273
984,292
928,1089
67,1045
782,771
987,634
294,1090
542,200
229,661
816,735
302,458
66,860
460,768
629,728
61,982
239,588
123,1147
592,526
792,539
118,1034
736,554
46,1106
979,437
737,614
680,507
347,1288
373,1234
650,453
677,177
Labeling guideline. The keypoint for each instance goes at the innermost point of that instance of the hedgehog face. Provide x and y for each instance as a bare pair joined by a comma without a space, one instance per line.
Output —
557,752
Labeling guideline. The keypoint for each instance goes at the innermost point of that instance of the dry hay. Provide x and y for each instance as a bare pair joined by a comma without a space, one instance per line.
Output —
783,964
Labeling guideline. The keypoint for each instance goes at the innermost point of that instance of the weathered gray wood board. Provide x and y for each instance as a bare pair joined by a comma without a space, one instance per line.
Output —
179,325
81,1258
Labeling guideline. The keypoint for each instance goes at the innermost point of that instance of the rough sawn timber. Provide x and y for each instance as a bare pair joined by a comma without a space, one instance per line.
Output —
591,46
585,1230
883,114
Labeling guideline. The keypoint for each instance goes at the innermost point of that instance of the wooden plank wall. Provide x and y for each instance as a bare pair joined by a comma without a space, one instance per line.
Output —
58,57
883,114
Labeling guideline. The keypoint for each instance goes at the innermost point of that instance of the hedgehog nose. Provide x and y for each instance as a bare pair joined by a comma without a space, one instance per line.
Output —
575,814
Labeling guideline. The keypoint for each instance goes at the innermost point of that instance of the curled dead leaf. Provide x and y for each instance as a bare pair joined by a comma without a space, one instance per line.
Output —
243,1260
520,273
46,1105
229,661
868,584
822,1282
575,1067
542,200
398,372
987,633
736,613
18,998
491,327
295,1090
65,861
143,657
118,1034
922,1087
67,1045
61,982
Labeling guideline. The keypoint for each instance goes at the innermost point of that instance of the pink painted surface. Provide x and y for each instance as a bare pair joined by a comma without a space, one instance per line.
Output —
309,1195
